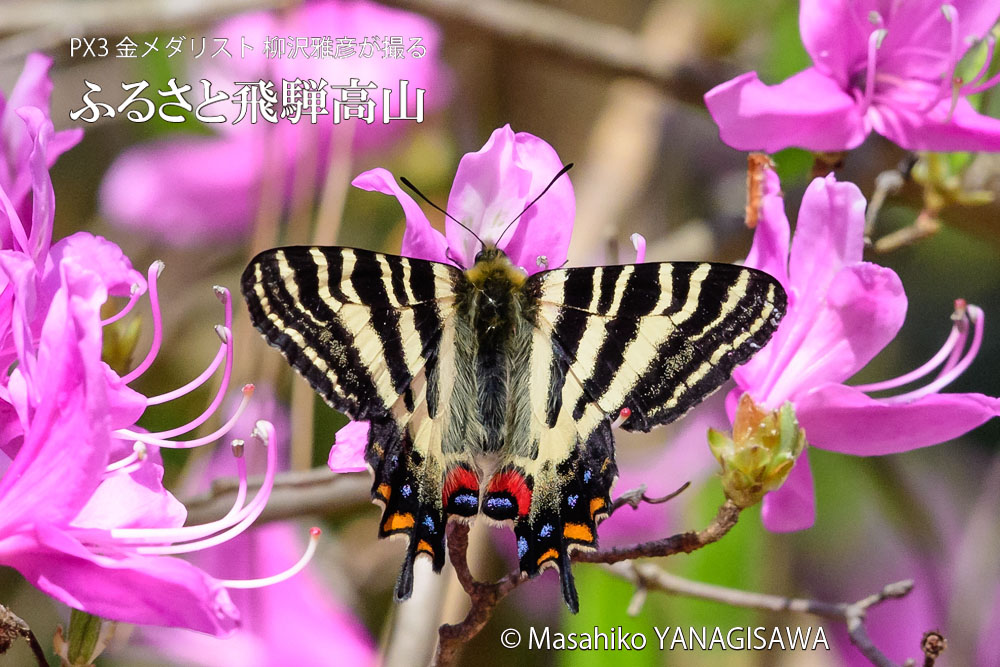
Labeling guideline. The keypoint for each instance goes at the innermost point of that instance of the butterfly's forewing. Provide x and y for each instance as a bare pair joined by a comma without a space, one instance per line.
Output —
372,333
654,338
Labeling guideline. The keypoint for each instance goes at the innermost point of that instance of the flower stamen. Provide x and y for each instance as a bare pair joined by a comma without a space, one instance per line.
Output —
130,462
953,355
639,243
874,43
135,293
186,539
314,534
225,351
160,439
155,269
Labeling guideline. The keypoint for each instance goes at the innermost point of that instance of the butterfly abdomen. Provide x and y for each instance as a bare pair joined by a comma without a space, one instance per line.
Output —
490,304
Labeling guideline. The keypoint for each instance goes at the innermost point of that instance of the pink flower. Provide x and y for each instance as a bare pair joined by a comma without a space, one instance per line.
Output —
187,190
32,90
877,65
491,194
842,311
83,512
295,622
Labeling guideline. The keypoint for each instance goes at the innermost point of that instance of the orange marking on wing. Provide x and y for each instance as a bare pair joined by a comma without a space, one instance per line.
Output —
595,505
385,491
551,554
424,545
578,531
398,522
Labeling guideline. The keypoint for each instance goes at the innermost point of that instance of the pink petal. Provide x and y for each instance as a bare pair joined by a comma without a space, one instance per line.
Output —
941,129
835,34
98,255
792,506
43,201
133,500
829,235
545,229
295,622
33,89
187,191
863,311
43,483
420,240
809,110
769,251
135,589
489,191
348,452
843,419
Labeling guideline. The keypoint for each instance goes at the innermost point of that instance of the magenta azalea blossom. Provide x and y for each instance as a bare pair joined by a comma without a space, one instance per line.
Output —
83,512
878,65
492,187
32,90
187,190
841,312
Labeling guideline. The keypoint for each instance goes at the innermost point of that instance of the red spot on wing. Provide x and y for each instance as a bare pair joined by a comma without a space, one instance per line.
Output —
459,478
512,482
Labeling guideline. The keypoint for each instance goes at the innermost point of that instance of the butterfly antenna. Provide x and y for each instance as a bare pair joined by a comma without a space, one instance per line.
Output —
551,183
420,194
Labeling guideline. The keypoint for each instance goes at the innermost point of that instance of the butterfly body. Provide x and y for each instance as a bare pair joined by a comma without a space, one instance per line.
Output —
491,391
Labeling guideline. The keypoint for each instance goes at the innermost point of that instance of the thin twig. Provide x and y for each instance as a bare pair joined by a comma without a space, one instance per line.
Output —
12,627
316,491
723,522
637,496
650,577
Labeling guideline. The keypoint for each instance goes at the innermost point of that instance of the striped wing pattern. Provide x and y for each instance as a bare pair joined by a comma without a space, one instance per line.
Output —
369,332
653,338
380,337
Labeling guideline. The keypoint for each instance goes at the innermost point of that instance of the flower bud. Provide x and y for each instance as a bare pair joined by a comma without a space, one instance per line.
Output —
760,453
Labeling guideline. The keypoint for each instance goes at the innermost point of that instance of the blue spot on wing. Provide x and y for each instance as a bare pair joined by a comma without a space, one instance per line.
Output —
522,547
429,522
571,500
406,490
546,530
496,503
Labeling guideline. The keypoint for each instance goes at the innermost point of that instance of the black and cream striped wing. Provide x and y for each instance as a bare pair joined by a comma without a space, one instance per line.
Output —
653,338
358,325
373,334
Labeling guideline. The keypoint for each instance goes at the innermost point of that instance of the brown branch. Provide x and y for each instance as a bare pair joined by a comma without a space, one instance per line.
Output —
637,496
13,627
484,597
649,577
723,522
316,491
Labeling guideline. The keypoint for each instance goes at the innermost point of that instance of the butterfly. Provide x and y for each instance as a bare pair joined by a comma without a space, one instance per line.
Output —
491,391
